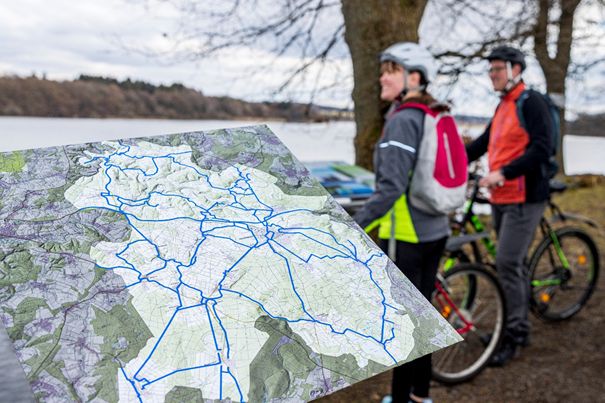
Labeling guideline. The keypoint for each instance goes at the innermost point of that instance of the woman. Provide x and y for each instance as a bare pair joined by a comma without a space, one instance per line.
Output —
413,238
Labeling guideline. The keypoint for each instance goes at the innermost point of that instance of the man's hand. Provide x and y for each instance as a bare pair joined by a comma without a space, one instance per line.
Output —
492,180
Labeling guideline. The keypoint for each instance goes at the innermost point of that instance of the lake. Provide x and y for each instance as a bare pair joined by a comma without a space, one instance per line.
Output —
330,141
308,141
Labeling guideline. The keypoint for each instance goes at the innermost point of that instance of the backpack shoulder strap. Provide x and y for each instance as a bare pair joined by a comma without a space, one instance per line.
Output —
519,102
415,105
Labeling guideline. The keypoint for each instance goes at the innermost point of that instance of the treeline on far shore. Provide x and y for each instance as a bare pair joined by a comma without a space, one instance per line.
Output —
587,125
102,97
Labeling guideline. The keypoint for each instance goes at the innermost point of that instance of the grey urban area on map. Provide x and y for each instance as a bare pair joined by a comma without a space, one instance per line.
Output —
194,267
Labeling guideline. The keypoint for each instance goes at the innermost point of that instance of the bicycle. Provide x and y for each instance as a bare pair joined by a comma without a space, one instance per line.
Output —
562,257
563,269
470,298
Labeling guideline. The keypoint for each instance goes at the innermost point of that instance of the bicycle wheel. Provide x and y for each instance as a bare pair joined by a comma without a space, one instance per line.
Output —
563,272
470,298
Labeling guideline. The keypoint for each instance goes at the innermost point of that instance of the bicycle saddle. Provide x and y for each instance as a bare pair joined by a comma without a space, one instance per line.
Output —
556,186
454,243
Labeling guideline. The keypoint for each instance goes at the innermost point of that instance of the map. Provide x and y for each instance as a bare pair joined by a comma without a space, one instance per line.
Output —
195,267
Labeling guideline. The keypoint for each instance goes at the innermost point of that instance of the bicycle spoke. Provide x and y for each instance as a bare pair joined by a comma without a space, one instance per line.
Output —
448,356
477,317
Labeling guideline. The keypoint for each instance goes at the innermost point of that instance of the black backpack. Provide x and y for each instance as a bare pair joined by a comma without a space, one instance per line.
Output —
551,167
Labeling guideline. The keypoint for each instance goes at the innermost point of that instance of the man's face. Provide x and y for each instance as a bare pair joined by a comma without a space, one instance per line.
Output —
498,75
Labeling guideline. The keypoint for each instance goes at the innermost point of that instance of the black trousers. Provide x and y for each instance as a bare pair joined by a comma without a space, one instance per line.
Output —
419,263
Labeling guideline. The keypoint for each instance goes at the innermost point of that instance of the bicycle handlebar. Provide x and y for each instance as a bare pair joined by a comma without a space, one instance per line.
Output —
475,197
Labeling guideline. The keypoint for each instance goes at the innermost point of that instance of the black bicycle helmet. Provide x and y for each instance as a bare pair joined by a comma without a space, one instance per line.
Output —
508,54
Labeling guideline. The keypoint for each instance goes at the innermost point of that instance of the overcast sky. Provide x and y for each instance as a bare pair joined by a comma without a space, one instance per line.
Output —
65,38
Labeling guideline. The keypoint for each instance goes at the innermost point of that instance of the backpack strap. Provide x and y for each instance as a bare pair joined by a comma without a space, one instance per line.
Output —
551,167
519,102
416,105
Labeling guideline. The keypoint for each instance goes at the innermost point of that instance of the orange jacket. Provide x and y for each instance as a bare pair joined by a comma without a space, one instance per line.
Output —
507,141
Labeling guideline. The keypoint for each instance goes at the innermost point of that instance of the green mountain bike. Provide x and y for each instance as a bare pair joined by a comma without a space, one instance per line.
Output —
563,272
563,267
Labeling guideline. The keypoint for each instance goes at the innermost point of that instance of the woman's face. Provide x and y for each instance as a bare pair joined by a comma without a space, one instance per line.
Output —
391,83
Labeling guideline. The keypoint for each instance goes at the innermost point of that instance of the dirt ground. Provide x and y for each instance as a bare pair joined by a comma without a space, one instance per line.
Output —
564,362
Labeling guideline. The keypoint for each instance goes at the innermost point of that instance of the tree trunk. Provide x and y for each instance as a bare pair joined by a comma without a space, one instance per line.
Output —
555,68
367,33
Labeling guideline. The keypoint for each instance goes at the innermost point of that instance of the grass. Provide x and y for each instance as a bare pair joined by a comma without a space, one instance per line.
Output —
588,202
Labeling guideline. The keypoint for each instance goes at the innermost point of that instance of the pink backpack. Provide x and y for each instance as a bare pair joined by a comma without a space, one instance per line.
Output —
438,183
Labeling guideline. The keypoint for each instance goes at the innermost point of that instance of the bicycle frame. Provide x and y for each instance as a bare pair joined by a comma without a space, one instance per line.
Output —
547,230
446,305
470,223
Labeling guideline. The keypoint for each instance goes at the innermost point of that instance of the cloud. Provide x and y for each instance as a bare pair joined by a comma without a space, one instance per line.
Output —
65,38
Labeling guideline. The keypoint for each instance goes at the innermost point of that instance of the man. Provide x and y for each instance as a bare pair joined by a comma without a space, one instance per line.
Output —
518,179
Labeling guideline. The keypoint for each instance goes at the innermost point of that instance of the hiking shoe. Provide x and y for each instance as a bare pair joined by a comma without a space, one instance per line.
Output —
506,352
525,341
389,399
425,400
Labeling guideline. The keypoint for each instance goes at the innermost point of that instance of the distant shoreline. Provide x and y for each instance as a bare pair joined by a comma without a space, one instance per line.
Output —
103,97
235,119
107,98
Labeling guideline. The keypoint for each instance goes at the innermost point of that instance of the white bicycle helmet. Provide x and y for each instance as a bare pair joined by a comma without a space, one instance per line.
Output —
412,57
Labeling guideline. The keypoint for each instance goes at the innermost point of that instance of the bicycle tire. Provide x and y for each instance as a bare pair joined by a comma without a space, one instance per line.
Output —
486,311
558,293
